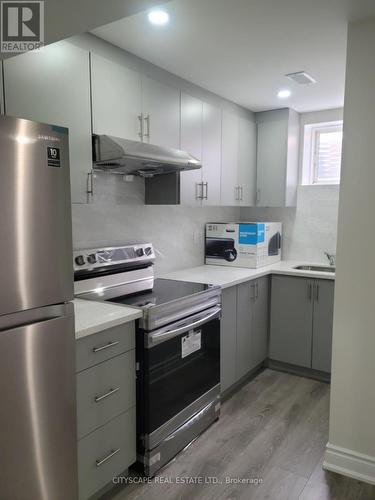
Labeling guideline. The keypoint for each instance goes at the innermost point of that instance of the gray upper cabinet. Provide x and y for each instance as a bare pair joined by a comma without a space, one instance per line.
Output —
116,99
191,141
277,158
161,113
211,154
228,338
238,172
53,86
322,325
291,320
201,137
229,160
247,172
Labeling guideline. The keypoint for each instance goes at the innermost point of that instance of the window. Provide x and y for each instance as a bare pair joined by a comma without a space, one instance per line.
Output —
322,153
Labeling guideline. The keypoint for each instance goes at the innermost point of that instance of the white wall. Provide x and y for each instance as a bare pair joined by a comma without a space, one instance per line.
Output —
310,229
351,448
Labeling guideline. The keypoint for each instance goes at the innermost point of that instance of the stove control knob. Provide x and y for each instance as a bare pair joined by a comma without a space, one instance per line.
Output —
148,251
91,259
139,252
80,260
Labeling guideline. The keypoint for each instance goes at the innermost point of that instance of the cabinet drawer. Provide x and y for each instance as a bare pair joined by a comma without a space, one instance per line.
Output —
104,391
104,345
106,453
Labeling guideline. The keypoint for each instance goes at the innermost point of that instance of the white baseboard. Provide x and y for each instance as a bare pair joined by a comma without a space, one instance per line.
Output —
349,463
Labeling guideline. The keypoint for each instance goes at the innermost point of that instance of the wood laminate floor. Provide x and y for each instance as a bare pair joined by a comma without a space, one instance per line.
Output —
275,428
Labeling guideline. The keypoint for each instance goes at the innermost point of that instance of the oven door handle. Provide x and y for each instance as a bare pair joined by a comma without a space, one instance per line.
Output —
161,336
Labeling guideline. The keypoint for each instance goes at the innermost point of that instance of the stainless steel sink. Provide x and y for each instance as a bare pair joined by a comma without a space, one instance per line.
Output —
319,269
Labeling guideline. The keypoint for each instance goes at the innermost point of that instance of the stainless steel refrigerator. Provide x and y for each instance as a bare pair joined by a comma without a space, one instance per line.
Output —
37,346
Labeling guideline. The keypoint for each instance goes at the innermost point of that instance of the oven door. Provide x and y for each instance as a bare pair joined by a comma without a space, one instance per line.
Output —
178,365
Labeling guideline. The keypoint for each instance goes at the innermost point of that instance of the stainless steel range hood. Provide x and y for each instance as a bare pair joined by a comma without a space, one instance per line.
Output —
121,156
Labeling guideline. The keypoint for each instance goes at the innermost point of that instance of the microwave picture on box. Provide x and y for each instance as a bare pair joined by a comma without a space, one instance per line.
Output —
243,244
221,248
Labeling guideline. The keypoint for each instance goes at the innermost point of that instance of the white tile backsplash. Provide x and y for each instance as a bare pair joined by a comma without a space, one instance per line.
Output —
176,232
119,216
310,229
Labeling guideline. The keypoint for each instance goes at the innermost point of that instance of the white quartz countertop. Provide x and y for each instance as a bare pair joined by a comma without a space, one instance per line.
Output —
92,317
226,276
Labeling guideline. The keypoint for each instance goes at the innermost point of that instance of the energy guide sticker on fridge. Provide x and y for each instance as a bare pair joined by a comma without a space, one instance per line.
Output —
190,343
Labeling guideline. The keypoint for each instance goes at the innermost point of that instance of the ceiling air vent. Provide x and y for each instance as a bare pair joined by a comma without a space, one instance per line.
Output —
301,77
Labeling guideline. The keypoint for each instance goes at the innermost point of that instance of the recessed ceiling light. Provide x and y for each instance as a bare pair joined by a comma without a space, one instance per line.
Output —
284,94
158,17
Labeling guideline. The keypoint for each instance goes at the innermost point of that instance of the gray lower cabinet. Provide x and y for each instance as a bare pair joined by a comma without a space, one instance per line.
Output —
106,453
228,338
244,329
291,320
322,325
301,322
105,406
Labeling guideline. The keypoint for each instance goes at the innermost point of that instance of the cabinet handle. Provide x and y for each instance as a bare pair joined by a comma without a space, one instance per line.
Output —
309,293
147,121
107,346
204,190
90,184
236,191
241,191
317,292
106,395
140,133
110,455
257,289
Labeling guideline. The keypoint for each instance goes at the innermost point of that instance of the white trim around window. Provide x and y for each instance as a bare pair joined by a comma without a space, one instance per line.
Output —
322,150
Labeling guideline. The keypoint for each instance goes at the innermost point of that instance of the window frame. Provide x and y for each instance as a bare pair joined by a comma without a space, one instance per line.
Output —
312,132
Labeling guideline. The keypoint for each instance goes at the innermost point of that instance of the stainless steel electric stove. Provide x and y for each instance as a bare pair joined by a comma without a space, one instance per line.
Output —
177,346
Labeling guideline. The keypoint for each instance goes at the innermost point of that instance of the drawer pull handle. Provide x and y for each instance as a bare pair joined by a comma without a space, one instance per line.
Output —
110,455
110,344
106,395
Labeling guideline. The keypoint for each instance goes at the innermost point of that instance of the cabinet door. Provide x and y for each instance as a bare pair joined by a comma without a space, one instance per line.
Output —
191,141
228,337
161,109
53,86
291,320
259,340
247,162
322,325
211,154
116,99
229,152
245,312
272,148
1,89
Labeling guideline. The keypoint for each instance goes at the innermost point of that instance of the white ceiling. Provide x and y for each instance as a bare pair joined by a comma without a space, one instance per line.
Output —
241,49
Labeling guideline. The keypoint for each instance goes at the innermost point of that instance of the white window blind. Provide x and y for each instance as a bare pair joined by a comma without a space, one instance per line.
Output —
327,155
322,153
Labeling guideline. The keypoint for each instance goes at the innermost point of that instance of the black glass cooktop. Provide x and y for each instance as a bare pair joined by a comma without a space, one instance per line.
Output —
164,291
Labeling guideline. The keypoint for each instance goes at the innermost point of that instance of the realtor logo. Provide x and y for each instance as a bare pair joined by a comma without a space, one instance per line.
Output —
22,25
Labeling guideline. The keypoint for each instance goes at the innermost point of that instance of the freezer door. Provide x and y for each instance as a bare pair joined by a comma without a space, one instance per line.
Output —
35,215
38,411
